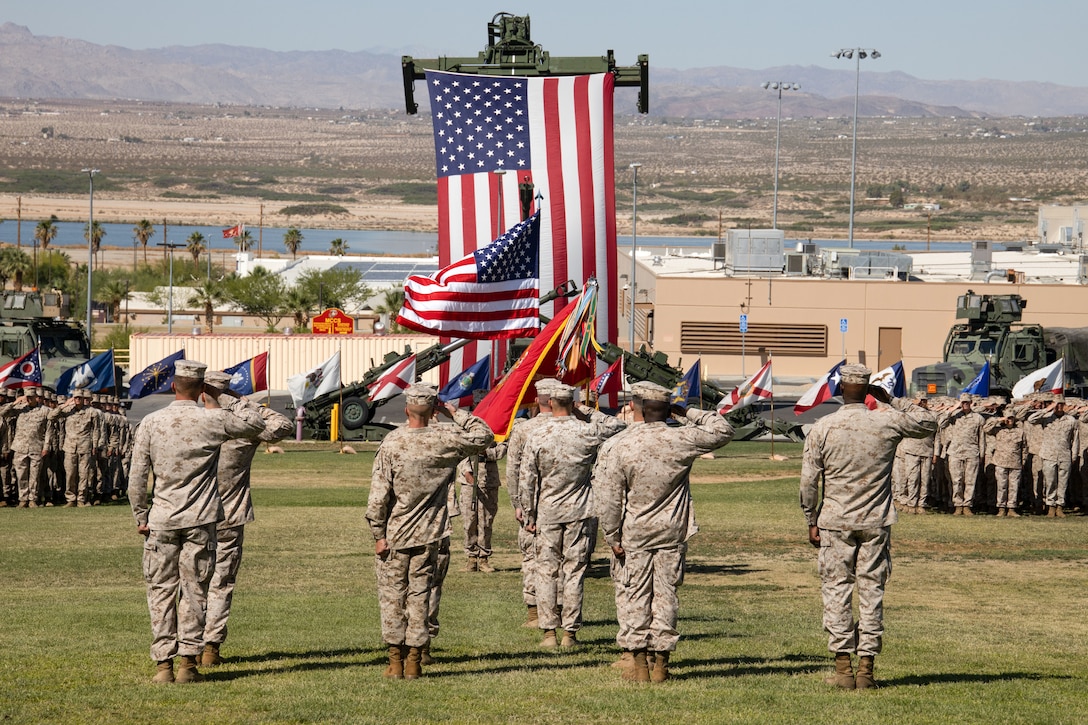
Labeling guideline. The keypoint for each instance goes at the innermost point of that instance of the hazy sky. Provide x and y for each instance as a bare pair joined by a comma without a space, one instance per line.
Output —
949,39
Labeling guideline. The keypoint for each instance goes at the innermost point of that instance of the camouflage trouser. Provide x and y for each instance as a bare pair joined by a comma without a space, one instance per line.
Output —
916,472
7,476
848,557
1055,481
478,516
648,617
899,486
1008,486
964,473
562,555
404,592
527,544
228,557
615,570
79,476
441,568
1038,485
28,475
178,566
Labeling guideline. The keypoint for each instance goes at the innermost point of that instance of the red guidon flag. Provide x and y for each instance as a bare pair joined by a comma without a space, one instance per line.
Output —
610,381
235,231
395,380
754,388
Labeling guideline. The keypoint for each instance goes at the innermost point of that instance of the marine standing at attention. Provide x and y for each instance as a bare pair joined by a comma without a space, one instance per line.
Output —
852,451
409,516
179,445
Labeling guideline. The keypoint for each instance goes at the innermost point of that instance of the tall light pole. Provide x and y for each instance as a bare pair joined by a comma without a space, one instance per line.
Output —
90,253
850,53
778,86
170,302
634,247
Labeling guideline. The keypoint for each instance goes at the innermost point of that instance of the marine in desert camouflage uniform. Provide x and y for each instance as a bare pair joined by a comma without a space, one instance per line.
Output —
644,504
233,480
29,445
556,496
82,435
179,446
914,469
9,492
964,453
480,481
1010,450
521,433
1060,446
407,511
852,451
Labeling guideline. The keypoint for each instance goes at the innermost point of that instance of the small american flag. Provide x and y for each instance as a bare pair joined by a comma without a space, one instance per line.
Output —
490,294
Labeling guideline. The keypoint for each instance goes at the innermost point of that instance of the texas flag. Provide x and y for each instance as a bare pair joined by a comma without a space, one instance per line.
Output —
23,372
824,389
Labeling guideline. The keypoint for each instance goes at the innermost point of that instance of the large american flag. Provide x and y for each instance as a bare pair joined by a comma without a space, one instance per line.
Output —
490,294
554,133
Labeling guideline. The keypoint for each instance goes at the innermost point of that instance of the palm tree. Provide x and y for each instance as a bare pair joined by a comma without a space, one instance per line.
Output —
14,263
209,294
338,247
195,245
142,232
292,239
244,241
113,293
392,302
46,231
93,233
299,303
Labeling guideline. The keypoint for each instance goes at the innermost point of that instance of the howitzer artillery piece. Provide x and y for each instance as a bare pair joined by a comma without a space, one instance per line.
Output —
655,368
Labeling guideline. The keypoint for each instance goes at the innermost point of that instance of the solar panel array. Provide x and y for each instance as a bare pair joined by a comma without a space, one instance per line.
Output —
379,273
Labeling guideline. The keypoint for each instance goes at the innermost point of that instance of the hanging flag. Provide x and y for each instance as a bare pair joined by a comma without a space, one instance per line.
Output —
610,381
500,406
825,388
1050,379
754,388
477,377
235,231
892,380
553,136
981,384
22,372
490,294
249,376
690,386
394,381
325,378
94,375
155,378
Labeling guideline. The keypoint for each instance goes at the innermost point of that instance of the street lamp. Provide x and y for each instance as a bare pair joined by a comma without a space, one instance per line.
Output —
170,302
90,252
778,86
634,247
849,53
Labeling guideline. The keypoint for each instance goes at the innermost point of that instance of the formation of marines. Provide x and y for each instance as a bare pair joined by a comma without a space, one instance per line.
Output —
992,455
60,450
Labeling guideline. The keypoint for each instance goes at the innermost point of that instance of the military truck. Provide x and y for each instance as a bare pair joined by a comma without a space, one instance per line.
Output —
992,331
28,320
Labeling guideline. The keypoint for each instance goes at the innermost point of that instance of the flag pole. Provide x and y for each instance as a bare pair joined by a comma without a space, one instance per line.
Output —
770,359
340,407
267,387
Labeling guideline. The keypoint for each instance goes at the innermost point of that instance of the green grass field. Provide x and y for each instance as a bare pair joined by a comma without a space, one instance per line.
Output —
984,616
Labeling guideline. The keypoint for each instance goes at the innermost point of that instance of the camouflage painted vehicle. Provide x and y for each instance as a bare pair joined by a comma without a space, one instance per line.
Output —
992,331
29,320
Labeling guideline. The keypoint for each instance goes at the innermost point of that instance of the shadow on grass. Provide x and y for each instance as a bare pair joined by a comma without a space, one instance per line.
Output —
315,654
971,677
744,666
723,569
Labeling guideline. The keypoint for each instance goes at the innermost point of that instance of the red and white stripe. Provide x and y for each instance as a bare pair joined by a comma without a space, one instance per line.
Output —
395,381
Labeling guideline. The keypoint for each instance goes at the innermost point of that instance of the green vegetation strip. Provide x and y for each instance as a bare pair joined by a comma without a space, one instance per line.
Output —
982,617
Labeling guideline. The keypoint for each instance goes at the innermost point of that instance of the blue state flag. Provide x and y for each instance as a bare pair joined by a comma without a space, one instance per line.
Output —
477,377
155,378
249,376
981,384
892,380
94,375
690,386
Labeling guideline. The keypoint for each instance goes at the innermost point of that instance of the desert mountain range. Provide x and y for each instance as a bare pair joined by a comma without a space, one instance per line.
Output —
45,67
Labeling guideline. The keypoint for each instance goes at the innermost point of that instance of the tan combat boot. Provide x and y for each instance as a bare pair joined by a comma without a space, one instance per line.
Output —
533,618
1011,512
958,511
1059,512
549,639
210,655
570,639
638,671
625,660
1050,512
187,671
864,677
844,672
660,672
485,566
164,672
425,655
470,565
395,670
413,665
